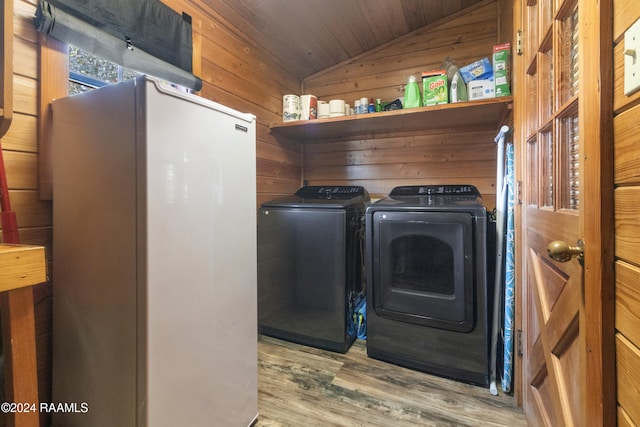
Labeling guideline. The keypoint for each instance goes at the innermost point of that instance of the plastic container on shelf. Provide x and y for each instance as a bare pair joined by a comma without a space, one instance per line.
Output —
364,105
457,86
412,97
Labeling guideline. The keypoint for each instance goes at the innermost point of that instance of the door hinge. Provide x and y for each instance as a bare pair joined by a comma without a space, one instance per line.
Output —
519,191
519,42
519,341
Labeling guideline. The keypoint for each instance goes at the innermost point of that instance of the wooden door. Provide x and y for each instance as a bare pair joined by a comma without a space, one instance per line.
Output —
561,132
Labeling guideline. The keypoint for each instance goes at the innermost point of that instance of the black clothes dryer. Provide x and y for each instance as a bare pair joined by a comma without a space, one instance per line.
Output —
426,267
311,265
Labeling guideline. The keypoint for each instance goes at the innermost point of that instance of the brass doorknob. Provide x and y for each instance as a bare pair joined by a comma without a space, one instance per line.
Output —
562,251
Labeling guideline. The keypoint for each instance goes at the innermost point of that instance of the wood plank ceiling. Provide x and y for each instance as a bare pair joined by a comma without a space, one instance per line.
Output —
309,36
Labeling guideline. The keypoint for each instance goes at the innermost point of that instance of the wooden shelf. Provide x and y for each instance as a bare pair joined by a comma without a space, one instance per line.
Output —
21,265
464,115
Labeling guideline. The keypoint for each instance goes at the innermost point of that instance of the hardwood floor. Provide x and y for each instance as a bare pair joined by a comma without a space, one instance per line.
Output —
304,386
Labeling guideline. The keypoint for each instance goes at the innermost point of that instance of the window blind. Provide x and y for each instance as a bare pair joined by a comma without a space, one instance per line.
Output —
144,35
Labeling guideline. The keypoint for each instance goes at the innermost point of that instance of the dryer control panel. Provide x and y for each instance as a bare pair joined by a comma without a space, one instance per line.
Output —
435,190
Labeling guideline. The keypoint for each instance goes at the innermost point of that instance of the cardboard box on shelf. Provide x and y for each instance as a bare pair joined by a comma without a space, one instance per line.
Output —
480,69
481,89
435,88
501,69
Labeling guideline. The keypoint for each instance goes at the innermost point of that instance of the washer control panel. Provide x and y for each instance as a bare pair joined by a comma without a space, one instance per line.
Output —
329,192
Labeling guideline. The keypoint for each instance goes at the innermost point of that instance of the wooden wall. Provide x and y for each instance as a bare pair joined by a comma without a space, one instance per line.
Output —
20,151
235,73
380,162
627,227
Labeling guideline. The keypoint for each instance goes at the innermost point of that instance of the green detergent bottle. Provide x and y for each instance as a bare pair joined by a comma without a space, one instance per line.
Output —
412,94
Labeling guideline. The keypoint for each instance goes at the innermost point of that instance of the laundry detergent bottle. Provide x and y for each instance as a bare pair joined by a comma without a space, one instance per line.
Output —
412,94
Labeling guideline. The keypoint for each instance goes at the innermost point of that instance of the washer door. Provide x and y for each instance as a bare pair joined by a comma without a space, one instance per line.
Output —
423,268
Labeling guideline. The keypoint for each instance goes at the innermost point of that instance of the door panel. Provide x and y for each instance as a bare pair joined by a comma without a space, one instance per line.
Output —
559,336
552,355
558,126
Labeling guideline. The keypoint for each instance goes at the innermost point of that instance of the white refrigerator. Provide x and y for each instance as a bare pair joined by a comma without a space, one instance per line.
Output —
154,255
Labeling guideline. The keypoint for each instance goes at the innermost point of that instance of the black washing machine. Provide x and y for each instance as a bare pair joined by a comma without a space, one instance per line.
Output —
311,265
427,285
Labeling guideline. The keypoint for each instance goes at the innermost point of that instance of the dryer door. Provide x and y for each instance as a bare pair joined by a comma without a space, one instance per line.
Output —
423,268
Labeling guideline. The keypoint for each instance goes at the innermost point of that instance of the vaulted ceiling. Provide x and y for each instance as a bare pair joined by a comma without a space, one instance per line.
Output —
312,35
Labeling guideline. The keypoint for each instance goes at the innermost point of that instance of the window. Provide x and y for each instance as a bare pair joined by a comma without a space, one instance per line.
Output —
87,72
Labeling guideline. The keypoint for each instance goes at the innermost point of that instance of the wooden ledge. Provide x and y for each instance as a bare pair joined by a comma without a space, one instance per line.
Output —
21,266
480,114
